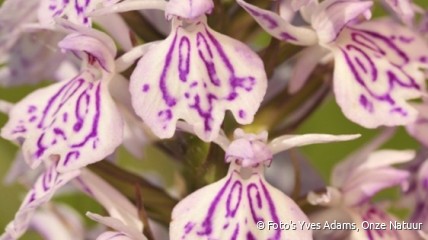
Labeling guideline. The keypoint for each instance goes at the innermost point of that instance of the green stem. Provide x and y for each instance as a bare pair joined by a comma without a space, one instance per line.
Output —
157,202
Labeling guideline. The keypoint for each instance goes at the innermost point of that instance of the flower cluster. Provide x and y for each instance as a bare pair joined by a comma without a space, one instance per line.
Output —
202,84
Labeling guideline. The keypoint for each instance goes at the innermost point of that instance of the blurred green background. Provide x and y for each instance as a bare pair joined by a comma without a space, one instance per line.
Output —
327,119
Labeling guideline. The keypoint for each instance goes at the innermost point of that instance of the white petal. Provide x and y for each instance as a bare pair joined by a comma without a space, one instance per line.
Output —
13,15
360,187
113,201
33,58
131,233
373,214
280,28
58,222
41,192
113,236
231,208
307,60
377,69
117,28
72,120
332,16
286,142
197,74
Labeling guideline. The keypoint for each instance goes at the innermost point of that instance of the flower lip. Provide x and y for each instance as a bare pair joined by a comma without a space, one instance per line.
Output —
188,9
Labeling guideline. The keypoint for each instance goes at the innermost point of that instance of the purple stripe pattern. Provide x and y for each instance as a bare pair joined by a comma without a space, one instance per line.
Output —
376,71
73,10
71,120
231,208
41,192
197,75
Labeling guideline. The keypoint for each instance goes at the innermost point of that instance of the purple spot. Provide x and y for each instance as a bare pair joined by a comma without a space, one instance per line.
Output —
242,114
146,87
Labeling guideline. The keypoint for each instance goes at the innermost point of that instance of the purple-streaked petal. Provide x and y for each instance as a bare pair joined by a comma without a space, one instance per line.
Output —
286,142
41,192
307,60
196,75
13,15
231,208
71,120
377,69
188,9
374,214
280,28
75,11
332,16
126,6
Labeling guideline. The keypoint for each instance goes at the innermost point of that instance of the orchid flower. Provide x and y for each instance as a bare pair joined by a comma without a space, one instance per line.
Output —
353,182
73,119
377,63
232,207
25,41
195,74
123,218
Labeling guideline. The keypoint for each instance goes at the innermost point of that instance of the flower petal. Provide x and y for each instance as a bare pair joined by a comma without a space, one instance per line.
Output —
75,11
286,142
231,208
374,214
117,28
278,27
34,57
331,17
88,47
58,222
13,15
307,60
43,190
419,128
118,207
362,186
377,68
72,120
188,9
403,8
196,75
125,232
113,236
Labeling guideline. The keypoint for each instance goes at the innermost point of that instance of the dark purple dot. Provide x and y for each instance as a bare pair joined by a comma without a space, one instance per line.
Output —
242,114
146,87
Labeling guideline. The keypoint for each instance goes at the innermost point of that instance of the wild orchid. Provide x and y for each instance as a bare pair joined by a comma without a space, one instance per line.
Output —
243,203
354,182
375,70
183,119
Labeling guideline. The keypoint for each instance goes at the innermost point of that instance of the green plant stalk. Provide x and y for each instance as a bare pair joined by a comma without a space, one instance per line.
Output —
157,202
